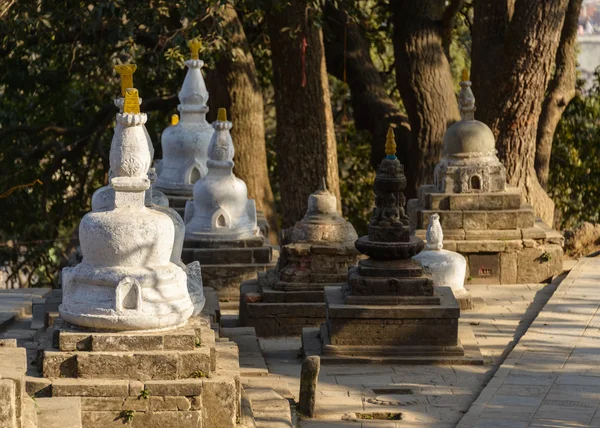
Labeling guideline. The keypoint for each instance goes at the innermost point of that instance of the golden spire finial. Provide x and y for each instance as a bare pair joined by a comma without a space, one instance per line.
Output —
390,143
126,71
222,115
195,45
174,119
132,102
465,75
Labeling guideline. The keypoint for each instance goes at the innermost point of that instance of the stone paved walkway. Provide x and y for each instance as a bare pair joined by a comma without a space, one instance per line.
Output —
428,396
552,377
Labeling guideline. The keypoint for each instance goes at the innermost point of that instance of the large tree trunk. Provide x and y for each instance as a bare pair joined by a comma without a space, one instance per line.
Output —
234,85
305,137
560,92
372,108
513,99
425,81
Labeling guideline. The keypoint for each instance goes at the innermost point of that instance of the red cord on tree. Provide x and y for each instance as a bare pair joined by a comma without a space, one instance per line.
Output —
303,45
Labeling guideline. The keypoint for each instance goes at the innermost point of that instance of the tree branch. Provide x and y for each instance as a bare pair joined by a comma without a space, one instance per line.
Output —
561,91
448,24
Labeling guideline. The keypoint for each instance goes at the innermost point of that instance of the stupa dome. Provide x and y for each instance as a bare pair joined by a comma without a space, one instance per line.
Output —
469,137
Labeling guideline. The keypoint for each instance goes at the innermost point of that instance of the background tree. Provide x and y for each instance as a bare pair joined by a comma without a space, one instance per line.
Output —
305,139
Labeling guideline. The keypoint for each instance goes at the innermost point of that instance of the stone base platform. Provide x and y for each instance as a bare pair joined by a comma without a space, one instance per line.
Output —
227,263
408,332
280,313
173,378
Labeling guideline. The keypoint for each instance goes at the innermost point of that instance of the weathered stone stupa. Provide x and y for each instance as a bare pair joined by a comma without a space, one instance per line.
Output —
126,280
318,252
185,142
389,309
483,217
221,222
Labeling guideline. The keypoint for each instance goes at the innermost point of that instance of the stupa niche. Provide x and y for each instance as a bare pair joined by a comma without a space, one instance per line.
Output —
126,280
388,310
185,142
483,216
221,222
315,253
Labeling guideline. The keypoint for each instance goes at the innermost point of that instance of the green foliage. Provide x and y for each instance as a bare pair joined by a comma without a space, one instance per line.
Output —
574,182
127,416
144,393
57,87
197,374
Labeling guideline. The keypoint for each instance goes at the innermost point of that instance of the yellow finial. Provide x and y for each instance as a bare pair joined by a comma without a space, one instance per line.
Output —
390,143
174,120
222,115
126,71
132,102
195,45
465,75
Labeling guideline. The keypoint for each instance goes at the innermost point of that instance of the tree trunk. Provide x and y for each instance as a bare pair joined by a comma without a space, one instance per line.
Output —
514,96
305,137
425,81
372,108
560,92
234,85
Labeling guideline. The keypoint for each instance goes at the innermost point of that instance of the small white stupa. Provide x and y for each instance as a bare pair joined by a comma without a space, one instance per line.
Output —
185,142
126,280
447,268
220,209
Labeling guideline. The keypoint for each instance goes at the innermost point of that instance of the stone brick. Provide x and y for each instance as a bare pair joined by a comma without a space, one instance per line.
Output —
135,388
114,403
59,364
138,366
449,220
474,220
219,405
190,419
460,202
508,268
90,388
160,403
8,343
8,403
525,218
483,235
532,266
450,245
452,234
183,341
185,387
38,386
514,245
533,233
191,362
528,243
480,246
126,342
69,341
195,402
502,220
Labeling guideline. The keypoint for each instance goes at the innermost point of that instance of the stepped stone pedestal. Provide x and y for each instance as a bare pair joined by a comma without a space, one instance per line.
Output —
169,378
389,310
316,253
483,217
221,222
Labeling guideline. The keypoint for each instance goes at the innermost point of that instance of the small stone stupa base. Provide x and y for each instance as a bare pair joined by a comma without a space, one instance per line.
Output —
173,378
500,238
369,322
227,263
283,303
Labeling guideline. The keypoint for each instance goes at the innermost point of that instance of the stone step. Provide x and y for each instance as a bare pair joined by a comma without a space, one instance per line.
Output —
252,363
138,365
270,295
59,412
270,409
311,341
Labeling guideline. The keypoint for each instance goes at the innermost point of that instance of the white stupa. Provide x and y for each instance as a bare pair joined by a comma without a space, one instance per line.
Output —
185,142
220,209
127,280
447,268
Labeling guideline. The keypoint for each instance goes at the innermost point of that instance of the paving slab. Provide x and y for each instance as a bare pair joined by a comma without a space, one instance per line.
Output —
551,378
